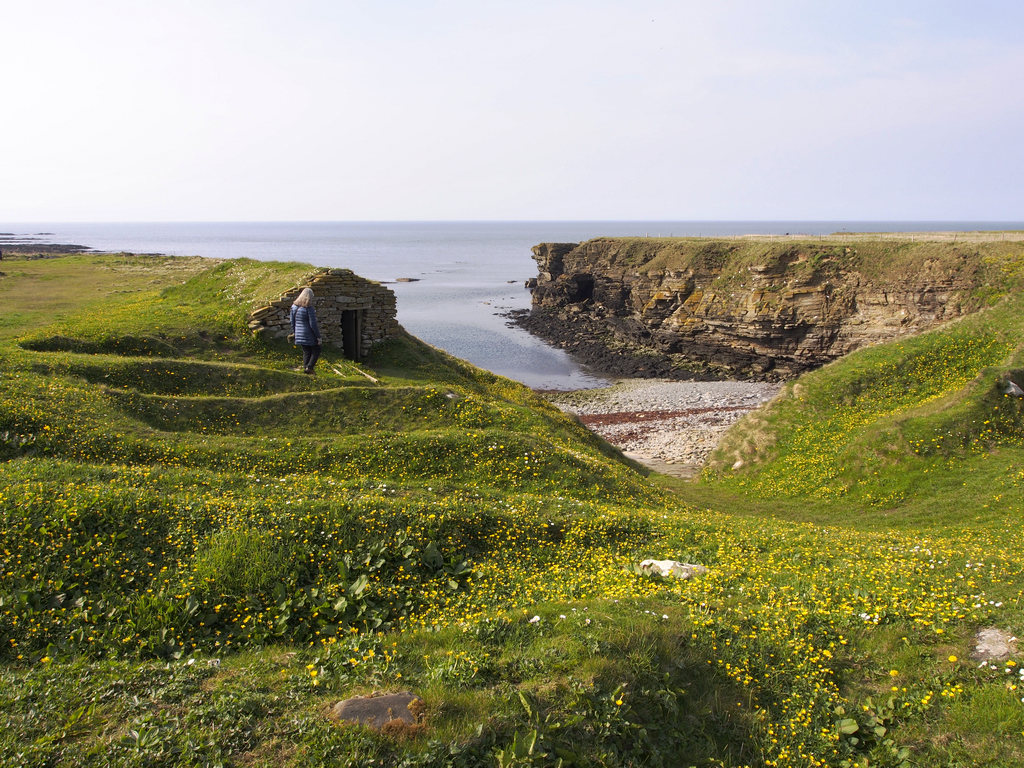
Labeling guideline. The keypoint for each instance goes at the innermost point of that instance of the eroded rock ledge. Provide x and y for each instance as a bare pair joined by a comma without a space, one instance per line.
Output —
692,308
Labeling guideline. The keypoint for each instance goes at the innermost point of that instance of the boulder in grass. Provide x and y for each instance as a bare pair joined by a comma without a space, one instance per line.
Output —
380,712
1012,389
994,644
672,568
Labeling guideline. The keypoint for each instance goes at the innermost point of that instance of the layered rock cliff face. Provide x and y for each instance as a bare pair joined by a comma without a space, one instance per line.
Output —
692,308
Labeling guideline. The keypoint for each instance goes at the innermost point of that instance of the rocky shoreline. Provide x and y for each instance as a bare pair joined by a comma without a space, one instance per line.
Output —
38,244
669,426
593,343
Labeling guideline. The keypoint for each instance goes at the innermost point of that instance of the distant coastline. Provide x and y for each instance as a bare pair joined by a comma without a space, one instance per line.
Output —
468,274
38,243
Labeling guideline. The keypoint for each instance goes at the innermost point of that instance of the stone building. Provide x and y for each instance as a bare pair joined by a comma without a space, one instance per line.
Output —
354,313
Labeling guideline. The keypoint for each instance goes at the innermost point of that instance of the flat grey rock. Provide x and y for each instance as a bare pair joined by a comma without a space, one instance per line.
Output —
994,645
378,711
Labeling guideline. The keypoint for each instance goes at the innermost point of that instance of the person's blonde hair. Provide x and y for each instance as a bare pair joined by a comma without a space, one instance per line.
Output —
305,298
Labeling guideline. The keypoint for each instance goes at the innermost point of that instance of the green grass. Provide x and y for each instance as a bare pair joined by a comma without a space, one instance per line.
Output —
201,550
991,264
38,292
918,432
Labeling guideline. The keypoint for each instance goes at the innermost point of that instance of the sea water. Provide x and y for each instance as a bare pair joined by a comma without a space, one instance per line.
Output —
454,281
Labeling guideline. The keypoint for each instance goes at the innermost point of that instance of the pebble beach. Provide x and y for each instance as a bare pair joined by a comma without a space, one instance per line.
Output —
669,426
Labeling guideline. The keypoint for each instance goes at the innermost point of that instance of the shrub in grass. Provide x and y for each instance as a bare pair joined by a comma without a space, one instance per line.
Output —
238,562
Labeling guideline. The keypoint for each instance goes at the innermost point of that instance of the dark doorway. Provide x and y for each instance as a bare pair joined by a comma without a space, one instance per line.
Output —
584,288
351,331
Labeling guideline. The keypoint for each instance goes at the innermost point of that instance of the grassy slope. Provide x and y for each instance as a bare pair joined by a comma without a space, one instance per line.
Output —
919,437
885,260
918,432
201,550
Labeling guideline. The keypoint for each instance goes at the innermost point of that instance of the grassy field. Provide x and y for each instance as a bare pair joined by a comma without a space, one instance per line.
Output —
980,266
201,550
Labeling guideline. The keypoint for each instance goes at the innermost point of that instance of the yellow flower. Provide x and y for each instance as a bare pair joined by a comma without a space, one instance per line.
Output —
952,658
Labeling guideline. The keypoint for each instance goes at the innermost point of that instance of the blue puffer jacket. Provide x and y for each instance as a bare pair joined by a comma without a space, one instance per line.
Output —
305,326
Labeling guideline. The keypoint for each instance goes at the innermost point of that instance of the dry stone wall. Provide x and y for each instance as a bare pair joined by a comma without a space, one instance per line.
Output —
354,313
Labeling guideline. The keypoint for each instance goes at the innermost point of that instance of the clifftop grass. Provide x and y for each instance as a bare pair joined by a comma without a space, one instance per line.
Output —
993,260
201,550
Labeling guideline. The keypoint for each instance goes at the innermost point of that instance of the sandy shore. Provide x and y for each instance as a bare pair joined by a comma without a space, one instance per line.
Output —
669,426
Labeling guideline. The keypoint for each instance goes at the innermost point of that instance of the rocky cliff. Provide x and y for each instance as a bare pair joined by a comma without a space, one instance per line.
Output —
749,307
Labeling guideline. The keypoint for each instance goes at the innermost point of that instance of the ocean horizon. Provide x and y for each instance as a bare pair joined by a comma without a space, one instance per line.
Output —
463,276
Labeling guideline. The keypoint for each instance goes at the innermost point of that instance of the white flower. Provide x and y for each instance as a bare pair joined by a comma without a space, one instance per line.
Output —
535,620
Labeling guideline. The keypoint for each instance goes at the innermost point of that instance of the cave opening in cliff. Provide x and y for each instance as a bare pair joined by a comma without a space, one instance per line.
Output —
584,288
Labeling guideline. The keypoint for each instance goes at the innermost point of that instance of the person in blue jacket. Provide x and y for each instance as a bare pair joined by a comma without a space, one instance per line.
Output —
306,329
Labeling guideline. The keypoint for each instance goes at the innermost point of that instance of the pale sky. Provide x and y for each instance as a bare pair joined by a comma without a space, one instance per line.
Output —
225,110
